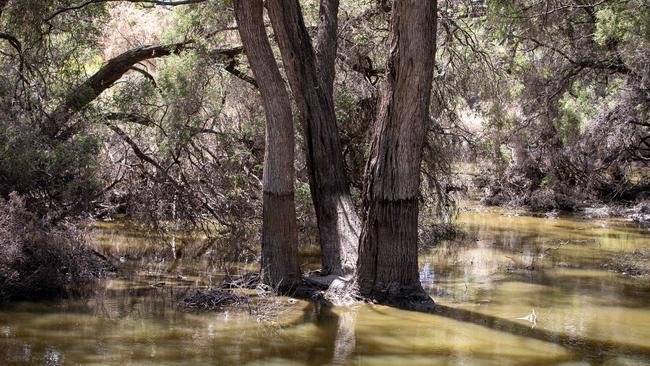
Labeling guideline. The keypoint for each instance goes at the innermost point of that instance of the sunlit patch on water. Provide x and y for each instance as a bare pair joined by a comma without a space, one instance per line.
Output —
487,285
53,357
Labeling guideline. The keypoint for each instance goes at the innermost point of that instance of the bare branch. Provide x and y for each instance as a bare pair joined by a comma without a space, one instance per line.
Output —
140,154
111,72
13,41
231,67
154,2
129,117
146,74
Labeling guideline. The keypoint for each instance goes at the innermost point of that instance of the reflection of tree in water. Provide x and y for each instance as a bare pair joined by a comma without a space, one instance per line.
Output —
338,334
346,340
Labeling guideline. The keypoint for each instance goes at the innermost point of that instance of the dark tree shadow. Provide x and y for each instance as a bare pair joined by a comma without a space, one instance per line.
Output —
593,351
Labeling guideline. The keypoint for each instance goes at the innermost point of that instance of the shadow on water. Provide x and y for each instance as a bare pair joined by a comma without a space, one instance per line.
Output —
630,293
594,351
337,333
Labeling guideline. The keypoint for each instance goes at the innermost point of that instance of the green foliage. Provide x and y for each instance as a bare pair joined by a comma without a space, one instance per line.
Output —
504,153
345,106
548,181
51,175
618,21
192,21
576,109
303,193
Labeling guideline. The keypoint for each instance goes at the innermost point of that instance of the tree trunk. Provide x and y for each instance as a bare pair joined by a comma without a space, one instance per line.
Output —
279,228
327,43
338,223
388,257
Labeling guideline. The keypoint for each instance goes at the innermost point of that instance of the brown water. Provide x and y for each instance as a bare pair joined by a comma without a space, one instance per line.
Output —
506,267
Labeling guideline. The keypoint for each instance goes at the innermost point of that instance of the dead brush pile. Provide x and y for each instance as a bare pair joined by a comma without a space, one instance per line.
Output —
214,299
42,261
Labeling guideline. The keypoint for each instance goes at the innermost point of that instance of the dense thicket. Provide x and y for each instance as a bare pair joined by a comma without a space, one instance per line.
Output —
569,125
151,111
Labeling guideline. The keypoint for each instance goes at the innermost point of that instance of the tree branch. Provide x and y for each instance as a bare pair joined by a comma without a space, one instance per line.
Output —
112,71
146,75
129,117
140,154
231,67
13,41
103,79
89,2
615,66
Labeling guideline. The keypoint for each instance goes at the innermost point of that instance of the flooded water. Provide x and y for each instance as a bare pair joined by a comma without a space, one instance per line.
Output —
515,290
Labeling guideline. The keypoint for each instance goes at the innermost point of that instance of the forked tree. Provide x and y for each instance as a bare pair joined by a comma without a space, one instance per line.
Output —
310,71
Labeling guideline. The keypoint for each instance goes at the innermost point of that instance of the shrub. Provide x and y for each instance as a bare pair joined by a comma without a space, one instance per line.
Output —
42,261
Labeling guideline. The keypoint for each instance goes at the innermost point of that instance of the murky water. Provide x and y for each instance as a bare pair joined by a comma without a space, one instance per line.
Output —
487,285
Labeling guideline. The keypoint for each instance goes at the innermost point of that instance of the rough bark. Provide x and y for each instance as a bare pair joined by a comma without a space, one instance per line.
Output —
388,260
338,223
327,43
279,229
3,3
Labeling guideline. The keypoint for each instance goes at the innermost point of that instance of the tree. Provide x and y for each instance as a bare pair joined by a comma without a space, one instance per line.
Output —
388,260
311,75
279,228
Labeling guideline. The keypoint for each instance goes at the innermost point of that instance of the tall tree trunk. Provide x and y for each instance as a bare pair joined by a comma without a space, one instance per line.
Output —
388,257
327,43
279,228
338,223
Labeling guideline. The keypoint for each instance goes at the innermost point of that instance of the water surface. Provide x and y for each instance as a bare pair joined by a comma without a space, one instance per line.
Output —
487,284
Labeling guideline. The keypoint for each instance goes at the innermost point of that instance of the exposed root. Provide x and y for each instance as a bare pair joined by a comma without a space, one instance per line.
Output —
324,290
